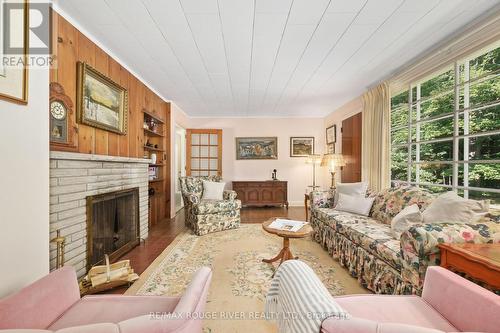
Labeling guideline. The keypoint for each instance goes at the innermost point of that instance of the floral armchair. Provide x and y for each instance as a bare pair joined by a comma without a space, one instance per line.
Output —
206,216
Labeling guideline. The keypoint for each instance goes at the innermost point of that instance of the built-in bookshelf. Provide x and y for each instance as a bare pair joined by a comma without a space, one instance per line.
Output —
156,144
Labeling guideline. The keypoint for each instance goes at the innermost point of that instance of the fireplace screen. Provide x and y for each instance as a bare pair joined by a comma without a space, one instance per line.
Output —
112,225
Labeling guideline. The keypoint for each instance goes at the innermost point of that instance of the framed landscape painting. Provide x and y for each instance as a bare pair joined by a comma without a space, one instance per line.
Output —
258,148
101,102
301,146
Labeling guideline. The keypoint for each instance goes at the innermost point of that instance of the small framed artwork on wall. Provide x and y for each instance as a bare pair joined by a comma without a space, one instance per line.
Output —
330,149
331,134
301,146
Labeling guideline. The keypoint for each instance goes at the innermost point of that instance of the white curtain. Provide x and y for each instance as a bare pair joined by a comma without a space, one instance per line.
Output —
375,138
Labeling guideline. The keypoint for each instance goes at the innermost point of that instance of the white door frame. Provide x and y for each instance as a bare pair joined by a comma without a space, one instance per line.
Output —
179,163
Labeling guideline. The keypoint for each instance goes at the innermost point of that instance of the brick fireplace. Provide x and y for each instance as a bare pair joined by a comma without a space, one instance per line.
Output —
74,178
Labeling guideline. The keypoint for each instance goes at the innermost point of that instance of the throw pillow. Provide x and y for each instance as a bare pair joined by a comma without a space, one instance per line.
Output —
451,208
405,219
213,190
350,189
357,204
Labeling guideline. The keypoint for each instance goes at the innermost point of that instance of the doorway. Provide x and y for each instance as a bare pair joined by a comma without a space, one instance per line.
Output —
180,164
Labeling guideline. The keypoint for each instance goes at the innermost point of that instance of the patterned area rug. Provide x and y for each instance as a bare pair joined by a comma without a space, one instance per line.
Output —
240,279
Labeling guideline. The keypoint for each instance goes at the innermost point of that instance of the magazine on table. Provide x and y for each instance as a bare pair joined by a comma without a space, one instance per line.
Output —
287,225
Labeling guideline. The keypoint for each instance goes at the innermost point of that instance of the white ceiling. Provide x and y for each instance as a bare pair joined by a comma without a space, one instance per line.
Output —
272,58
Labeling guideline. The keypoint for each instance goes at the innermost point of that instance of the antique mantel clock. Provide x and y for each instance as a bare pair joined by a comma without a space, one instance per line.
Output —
61,109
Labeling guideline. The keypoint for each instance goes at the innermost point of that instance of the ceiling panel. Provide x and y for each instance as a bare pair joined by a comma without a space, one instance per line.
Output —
275,6
199,6
347,6
269,58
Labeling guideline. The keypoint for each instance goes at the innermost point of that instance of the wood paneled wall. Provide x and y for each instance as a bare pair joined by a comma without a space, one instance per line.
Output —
70,47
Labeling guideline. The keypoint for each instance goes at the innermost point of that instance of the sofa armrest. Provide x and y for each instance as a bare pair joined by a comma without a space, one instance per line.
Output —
359,325
419,244
321,199
191,199
230,195
187,316
42,302
466,305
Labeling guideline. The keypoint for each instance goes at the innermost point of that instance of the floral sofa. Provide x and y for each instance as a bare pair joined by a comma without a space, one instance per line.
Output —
206,216
367,248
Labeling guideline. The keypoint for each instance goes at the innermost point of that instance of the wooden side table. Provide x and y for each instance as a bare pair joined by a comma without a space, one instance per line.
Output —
285,253
306,204
479,261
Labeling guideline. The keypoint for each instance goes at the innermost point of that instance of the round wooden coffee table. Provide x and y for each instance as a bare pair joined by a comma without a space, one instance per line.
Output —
285,253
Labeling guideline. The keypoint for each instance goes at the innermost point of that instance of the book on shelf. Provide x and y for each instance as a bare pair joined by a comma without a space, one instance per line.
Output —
287,225
153,173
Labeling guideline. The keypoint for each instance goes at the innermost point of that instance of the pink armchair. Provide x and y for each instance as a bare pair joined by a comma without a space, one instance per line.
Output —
53,304
449,303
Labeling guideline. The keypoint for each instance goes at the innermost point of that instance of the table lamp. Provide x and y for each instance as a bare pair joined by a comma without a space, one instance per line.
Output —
315,160
333,161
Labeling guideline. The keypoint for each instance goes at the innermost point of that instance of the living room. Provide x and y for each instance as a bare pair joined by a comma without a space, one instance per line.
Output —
250,166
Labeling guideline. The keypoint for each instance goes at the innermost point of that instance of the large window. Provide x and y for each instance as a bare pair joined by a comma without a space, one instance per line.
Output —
445,130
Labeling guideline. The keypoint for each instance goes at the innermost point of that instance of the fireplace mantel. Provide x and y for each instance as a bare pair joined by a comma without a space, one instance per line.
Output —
54,155
73,178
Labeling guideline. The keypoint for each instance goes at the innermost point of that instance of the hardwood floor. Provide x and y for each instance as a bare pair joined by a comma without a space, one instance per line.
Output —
165,231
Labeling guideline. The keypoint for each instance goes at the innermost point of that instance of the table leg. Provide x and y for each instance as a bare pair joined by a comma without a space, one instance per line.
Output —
285,253
306,201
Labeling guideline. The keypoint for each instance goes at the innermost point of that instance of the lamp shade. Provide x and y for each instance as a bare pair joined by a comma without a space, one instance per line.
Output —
333,160
314,159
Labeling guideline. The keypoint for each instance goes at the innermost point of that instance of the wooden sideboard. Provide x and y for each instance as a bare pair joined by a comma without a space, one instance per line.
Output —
262,193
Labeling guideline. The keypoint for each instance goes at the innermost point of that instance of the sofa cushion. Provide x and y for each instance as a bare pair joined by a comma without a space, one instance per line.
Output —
410,310
449,207
354,189
389,202
213,190
374,237
366,232
112,309
216,206
359,325
357,204
194,185
409,216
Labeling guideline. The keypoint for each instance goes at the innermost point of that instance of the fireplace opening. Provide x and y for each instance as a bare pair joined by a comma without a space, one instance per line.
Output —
112,225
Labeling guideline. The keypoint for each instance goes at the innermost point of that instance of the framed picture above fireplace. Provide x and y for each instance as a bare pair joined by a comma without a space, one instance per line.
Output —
101,102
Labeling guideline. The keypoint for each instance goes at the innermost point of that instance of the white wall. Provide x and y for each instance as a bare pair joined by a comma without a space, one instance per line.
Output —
292,169
24,187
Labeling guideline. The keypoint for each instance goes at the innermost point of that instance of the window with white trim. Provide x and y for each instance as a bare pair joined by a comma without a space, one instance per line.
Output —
445,129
